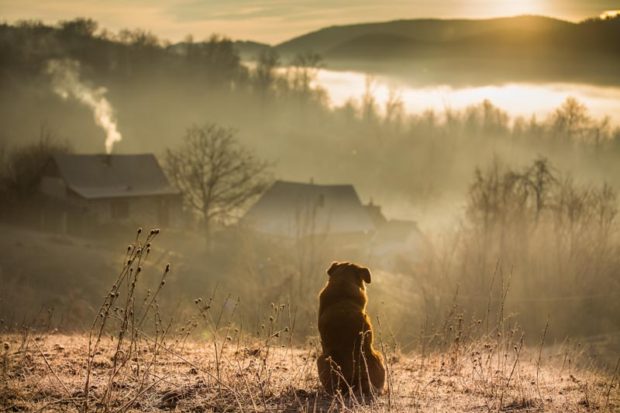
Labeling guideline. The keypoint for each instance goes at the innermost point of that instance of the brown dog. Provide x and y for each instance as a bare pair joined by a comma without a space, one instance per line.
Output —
349,361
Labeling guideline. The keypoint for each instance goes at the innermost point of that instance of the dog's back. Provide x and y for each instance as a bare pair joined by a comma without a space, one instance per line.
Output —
348,359
341,317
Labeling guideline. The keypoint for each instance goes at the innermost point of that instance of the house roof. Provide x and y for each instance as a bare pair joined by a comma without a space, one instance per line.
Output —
298,209
113,176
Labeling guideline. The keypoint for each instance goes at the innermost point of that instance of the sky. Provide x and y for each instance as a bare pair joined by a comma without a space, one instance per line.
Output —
274,21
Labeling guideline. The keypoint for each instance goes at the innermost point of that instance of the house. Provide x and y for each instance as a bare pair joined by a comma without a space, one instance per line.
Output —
102,189
295,209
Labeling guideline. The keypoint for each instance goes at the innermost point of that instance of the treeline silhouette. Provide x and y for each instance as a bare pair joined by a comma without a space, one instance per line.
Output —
126,56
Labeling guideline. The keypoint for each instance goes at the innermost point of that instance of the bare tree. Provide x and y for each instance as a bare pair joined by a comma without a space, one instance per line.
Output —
265,73
394,110
540,179
571,120
216,175
304,70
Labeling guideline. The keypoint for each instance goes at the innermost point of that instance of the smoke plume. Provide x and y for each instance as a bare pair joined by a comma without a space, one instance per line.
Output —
67,84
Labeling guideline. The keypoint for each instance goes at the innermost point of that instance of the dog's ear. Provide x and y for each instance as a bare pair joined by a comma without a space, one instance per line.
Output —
332,268
365,273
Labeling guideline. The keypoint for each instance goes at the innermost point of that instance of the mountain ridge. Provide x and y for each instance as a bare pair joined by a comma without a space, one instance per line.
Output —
530,37
519,48
421,29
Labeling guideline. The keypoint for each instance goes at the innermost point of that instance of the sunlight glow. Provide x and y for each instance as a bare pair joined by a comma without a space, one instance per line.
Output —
518,99
516,7
610,14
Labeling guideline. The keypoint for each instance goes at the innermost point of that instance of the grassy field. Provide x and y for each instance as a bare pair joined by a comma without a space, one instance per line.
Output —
137,356
48,373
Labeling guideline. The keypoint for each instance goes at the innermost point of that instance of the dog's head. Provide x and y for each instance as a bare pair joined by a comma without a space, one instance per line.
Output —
349,272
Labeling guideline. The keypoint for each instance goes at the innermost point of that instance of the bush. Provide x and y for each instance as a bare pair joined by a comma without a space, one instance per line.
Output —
21,168
533,244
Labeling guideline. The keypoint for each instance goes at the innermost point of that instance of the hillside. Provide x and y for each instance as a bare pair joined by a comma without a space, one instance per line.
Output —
248,50
427,30
523,48
157,91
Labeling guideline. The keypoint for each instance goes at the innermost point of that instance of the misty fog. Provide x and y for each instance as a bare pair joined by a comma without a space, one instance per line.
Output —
517,99
512,185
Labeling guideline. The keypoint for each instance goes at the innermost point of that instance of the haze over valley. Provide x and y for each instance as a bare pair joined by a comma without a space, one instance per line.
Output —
171,203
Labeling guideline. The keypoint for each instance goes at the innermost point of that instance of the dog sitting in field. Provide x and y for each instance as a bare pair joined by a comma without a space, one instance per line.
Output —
349,361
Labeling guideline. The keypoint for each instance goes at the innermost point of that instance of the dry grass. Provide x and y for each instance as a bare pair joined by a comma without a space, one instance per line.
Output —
47,373
131,359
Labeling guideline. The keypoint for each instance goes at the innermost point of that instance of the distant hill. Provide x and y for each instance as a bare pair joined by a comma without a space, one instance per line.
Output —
427,30
427,51
249,50
246,49
536,47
